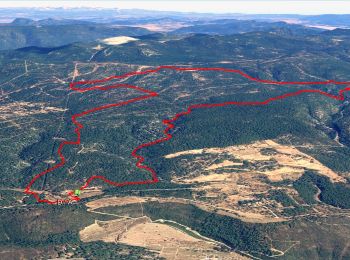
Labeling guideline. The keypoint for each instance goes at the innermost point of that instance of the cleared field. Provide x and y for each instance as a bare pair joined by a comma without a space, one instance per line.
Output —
114,201
109,231
16,110
237,180
118,40
169,242
290,162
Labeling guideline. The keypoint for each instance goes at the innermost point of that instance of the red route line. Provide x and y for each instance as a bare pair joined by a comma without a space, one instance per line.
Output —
168,122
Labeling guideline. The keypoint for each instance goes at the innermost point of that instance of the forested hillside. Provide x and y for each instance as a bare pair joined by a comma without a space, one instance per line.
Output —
243,180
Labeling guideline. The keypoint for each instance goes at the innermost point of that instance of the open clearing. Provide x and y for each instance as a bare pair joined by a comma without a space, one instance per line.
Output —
114,201
168,241
291,162
118,40
233,179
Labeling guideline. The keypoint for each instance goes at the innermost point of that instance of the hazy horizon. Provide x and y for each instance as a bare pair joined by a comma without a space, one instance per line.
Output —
311,7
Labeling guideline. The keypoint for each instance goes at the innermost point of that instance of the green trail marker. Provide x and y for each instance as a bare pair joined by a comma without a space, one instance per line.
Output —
77,192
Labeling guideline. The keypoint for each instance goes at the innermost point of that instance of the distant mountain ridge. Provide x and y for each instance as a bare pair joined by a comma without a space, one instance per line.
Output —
24,32
125,16
232,26
52,32
45,22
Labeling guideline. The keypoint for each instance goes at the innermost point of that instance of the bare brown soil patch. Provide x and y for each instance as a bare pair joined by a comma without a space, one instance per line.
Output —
237,180
91,192
168,241
109,231
291,162
118,40
114,201
172,243
21,109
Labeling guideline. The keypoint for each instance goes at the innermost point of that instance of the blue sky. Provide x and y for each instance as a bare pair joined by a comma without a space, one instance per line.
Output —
218,6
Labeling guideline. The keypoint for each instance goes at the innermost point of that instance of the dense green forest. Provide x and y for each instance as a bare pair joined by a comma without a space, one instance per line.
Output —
335,194
37,105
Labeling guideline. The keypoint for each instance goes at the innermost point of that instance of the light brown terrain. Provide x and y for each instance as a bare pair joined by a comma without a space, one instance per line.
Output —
291,162
241,175
168,241
118,40
109,231
21,109
114,201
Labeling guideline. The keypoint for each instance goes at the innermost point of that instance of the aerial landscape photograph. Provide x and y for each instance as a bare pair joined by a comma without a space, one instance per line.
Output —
175,129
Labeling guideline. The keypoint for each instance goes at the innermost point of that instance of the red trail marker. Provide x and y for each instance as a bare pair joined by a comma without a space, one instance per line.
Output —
168,122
